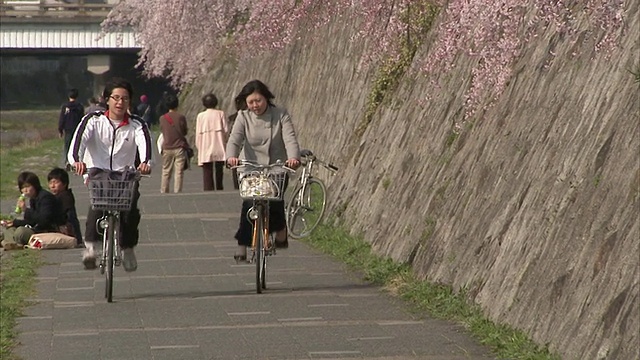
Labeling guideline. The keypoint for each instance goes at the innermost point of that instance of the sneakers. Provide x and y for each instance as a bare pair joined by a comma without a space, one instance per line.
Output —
129,261
89,256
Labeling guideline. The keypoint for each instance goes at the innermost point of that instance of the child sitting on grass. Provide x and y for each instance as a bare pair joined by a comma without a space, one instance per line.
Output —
59,186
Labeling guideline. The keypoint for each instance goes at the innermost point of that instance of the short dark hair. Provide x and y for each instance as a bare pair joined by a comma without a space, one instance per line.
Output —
73,94
255,86
171,101
27,177
114,84
210,101
241,104
59,174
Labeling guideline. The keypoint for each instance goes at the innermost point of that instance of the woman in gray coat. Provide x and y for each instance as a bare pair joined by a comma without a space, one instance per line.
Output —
263,133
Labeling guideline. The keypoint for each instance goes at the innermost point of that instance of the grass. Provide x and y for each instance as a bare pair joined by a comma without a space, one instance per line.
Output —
32,145
16,284
436,300
39,157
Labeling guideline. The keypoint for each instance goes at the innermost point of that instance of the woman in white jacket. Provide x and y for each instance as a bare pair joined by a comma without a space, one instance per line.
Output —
211,140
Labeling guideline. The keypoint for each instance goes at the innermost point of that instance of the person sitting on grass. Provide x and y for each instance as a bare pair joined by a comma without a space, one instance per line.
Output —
42,211
59,186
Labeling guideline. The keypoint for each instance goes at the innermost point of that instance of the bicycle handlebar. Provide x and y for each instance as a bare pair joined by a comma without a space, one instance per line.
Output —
277,164
138,175
328,166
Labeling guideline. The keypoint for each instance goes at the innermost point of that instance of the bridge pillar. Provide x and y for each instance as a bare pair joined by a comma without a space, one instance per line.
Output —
98,65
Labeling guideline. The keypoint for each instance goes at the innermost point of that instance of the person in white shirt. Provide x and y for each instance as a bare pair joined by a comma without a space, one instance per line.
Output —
114,140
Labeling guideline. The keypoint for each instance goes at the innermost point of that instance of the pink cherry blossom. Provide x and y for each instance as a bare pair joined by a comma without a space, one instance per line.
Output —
181,38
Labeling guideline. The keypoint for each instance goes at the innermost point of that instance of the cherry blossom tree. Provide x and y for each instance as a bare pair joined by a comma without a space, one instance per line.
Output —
496,32
181,37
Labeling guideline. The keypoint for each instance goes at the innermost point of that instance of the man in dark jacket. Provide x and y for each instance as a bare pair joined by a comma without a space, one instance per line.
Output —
71,113
59,186
42,211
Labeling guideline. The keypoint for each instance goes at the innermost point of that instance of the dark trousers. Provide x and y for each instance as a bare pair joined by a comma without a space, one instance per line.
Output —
129,221
277,221
72,217
207,175
68,136
234,175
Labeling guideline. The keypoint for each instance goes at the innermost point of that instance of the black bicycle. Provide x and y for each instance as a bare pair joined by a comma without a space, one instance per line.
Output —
112,196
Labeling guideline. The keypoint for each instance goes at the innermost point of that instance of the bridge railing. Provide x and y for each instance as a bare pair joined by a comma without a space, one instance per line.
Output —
55,9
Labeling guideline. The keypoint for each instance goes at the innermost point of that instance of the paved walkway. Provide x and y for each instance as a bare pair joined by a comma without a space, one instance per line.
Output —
190,300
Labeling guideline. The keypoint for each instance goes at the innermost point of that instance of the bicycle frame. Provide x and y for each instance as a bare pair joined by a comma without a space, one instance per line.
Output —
109,223
261,242
112,196
303,180
303,214
261,185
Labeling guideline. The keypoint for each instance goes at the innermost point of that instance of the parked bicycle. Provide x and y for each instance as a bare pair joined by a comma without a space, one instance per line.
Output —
113,196
261,184
306,205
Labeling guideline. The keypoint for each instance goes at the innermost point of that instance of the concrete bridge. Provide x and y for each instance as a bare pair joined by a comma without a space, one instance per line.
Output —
63,39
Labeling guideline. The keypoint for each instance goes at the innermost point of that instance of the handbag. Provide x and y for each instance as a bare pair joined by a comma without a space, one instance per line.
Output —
43,241
188,150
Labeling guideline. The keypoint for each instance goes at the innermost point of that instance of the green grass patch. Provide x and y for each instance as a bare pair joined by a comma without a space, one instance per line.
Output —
17,282
31,144
39,157
436,300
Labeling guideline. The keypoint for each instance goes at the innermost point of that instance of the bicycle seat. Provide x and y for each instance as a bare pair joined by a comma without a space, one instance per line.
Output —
306,152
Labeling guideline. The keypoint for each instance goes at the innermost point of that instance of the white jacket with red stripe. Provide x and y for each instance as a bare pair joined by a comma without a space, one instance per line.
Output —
110,146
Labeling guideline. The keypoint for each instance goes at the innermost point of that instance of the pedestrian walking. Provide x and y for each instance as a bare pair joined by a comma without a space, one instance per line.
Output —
240,105
174,155
95,105
144,110
211,140
71,112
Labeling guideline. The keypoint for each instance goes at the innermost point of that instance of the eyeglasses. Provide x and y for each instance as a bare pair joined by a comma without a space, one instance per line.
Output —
118,99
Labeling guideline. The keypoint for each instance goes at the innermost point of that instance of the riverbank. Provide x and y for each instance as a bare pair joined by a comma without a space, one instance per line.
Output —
28,142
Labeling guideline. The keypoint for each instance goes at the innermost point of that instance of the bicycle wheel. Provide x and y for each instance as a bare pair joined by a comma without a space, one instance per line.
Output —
306,209
110,245
259,251
292,205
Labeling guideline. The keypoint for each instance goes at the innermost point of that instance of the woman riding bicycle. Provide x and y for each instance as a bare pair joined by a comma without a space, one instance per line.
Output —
264,133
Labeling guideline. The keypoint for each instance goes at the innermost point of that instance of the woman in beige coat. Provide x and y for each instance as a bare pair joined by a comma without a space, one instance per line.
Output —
211,140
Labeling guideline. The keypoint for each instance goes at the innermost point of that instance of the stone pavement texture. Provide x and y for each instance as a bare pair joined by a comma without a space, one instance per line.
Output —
190,300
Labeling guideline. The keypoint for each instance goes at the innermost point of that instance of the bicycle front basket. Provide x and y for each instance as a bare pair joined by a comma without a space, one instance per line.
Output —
256,185
114,195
